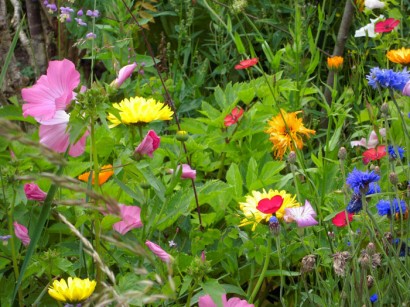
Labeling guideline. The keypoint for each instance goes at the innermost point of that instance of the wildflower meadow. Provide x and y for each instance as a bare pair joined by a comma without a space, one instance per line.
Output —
205,153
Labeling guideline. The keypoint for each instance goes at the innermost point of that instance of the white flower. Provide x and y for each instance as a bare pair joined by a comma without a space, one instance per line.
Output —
368,30
373,4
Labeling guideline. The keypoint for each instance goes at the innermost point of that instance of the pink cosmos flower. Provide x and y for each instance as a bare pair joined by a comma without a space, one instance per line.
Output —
33,192
124,74
54,135
52,92
386,26
372,142
187,172
206,301
149,144
158,251
21,233
131,218
303,216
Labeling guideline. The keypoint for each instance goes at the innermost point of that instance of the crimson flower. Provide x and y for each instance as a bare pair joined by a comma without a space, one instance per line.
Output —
374,154
270,206
386,26
233,118
246,63
340,219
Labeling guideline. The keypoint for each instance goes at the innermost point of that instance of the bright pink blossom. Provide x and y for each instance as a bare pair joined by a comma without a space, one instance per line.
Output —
149,144
131,218
33,192
246,63
340,219
187,171
387,25
270,206
303,216
52,92
233,118
21,233
124,74
372,142
158,251
206,301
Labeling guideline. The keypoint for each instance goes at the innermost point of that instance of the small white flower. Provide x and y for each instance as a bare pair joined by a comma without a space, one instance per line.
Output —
374,4
172,243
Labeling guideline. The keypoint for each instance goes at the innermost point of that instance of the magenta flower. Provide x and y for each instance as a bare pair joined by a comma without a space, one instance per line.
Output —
54,135
33,192
159,252
187,171
52,92
372,142
124,74
303,216
149,144
131,218
387,25
21,233
206,301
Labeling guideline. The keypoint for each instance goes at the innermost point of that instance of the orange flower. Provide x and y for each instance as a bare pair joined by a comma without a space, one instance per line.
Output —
105,173
335,62
400,56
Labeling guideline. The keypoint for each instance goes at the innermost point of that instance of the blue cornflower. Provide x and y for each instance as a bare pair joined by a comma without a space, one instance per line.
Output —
355,204
388,78
394,151
373,189
385,207
374,298
359,181
5,238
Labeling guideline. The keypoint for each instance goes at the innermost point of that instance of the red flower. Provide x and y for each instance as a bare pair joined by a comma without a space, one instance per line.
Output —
233,118
374,154
386,26
340,219
270,206
246,63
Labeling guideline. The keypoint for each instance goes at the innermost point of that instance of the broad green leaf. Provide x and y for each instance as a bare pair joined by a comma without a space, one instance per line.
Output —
234,178
252,172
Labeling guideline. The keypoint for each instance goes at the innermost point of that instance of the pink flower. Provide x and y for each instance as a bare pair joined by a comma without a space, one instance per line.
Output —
54,135
233,118
149,144
33,192
386,26
303,216
131,218
124,74
246,63
406,89
21,233
206,301
340,219
372,142
158,251
187,172
52,92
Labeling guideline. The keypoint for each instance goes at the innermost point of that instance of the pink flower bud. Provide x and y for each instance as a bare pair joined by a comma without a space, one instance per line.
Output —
33,192
21,233
149,144
187,172
124,74
158,251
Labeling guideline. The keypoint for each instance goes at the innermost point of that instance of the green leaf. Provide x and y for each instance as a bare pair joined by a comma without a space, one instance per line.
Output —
108,221
281,273
215,290
239,44
234,178
252,173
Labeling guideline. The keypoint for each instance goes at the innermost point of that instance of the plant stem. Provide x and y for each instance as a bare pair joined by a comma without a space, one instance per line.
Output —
265,267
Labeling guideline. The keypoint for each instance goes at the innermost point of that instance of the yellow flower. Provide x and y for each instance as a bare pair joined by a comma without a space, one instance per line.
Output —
255,216
400,56
283,135
335,62
139,110
75,290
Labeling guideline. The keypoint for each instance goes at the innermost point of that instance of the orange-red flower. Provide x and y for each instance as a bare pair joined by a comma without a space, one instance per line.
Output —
246,63
374,154
233,118
335,62
105,173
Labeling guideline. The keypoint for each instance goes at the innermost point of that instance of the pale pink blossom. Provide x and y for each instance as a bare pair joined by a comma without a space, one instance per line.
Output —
124,74
206,301
131,218
33,192
187,171
52,92
54,135
158,251
406,89
304,216
372,142
149,144
21,233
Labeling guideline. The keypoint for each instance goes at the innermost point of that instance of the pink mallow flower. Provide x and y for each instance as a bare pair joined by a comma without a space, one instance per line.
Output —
54,135
206,301
52,92
131,218
159,252
303,216
33,192
149,144
124,74
187,172
21,233
372,142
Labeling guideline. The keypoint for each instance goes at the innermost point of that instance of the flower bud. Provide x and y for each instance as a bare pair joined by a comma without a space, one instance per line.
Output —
342,154
182,136
394,179
308,263
384,109
292,157
370,281
274,225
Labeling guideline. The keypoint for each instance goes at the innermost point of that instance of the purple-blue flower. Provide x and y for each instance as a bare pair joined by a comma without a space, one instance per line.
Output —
90,35
94,13
359,181
355,205
80,13
387,78
80,22
395,152
374,298
386,207
51,8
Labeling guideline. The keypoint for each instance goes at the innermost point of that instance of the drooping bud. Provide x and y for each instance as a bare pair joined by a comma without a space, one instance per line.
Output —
292,157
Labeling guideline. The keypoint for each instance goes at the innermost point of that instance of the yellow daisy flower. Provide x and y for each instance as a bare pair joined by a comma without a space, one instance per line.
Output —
400,56
283,135
139,110
335,62
74,291
253,215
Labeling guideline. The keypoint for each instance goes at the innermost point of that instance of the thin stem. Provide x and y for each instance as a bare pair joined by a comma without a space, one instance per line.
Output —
400,114
265,267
